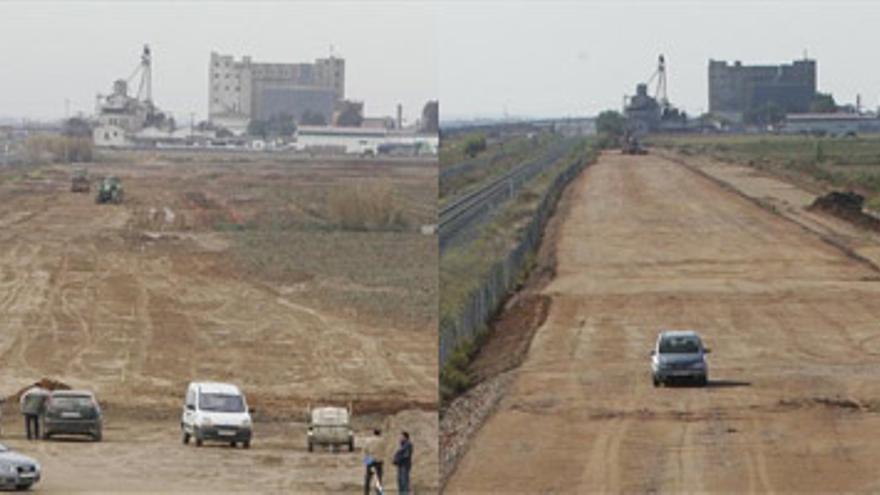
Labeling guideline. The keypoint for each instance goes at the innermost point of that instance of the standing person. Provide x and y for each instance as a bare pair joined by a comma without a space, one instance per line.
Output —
403,461
373,461
32,402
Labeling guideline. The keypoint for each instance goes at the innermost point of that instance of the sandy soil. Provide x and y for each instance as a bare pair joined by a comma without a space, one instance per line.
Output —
792,322
99,298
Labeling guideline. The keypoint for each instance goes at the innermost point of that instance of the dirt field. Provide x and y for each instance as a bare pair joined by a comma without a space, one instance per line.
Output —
792,322
134,301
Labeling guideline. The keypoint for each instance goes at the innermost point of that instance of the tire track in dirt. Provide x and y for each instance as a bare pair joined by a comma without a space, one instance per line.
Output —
651,245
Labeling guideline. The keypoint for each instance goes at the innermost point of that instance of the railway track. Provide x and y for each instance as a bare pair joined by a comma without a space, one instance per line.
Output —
466,210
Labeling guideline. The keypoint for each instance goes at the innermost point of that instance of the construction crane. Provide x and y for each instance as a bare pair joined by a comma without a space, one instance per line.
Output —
660,76
144,69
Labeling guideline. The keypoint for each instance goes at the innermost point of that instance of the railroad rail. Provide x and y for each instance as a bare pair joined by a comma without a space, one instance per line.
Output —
464,211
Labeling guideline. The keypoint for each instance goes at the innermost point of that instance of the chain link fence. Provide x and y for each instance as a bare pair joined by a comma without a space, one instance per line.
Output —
504,275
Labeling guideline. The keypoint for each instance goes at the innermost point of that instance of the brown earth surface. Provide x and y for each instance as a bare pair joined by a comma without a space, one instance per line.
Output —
134,301
648,244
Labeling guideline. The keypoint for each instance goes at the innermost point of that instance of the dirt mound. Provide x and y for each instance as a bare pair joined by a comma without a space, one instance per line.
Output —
46,383
847,206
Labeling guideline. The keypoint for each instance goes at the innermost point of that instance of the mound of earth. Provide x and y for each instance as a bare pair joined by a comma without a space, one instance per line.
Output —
847,206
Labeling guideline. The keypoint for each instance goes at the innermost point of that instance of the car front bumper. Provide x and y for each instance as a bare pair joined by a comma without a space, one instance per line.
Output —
21,478
687,373
224,433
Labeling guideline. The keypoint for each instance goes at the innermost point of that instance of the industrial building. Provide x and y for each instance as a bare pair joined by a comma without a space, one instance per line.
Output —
241,90
646,113
831,124
736,89
120,117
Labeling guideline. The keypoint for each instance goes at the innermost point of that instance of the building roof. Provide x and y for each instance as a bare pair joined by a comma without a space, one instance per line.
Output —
307,130
838,116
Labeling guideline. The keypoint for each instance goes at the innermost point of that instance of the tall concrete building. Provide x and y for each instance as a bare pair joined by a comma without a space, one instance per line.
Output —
241,90
736,89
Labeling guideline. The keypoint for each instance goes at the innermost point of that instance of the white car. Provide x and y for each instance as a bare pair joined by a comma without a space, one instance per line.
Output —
330,426
16,470
218,412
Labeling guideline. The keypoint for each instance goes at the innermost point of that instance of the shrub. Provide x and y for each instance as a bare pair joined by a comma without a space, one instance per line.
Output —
46,148
370,206
474,145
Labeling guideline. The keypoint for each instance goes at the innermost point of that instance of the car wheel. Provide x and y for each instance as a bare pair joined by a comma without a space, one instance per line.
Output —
98,436
703,381
351,444
198,442
311,447
656,381
185,438
246,444
232,444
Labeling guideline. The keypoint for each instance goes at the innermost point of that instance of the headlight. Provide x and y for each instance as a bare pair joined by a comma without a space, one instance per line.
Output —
206,422
7,469
698,364
246,422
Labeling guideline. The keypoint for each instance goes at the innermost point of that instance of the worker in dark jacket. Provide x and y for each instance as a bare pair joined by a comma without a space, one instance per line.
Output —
403,461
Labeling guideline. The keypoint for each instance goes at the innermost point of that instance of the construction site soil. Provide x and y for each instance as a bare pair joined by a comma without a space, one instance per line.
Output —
785,297
223,268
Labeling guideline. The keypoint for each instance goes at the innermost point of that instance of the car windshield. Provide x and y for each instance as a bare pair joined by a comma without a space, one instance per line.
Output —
71,403
679,345
221,403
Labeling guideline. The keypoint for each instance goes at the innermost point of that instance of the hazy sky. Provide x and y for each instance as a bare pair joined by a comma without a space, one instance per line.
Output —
576,58
480,58
50,51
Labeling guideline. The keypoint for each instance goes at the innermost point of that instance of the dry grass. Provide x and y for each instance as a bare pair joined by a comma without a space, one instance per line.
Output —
47,148
370,206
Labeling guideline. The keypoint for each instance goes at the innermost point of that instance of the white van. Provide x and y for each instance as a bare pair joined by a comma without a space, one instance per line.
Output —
216,411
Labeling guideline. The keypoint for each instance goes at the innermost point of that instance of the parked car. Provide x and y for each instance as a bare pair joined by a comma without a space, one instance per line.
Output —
216,411
330,426
679,354
73,412
16,470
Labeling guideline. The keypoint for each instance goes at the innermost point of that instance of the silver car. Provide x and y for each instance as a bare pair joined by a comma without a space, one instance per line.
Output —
679,354
16,470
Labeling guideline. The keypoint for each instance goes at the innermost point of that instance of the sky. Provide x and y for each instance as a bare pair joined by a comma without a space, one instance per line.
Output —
56,51
480,58
554,59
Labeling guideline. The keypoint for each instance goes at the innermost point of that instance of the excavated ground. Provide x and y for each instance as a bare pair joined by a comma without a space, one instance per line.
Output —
135,300
648,244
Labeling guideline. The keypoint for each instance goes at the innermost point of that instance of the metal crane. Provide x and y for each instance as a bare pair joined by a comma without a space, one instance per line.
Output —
144,69
660,76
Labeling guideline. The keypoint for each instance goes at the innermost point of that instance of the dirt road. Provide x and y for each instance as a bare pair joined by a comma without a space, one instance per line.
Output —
133,301
794,398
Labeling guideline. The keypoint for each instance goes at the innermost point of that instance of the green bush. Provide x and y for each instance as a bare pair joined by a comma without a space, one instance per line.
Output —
474,145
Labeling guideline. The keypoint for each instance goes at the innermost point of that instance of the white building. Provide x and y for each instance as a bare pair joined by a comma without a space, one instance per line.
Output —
241,90
362,141
832,124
